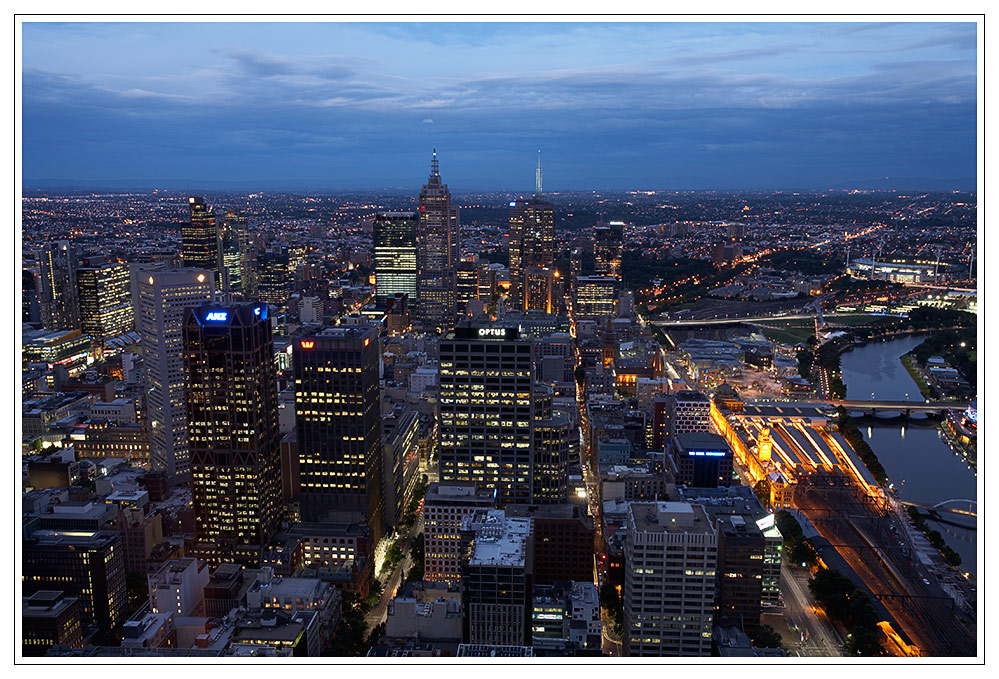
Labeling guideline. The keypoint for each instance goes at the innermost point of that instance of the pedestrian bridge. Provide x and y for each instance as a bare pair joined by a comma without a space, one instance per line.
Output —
949,506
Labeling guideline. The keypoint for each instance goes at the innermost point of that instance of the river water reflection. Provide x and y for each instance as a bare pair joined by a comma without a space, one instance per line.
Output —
917,459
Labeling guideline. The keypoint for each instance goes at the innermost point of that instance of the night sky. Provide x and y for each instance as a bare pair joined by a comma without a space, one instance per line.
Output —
612,106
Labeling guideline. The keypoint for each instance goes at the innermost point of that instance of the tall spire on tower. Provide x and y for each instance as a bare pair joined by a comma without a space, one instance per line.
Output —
537,175
434,172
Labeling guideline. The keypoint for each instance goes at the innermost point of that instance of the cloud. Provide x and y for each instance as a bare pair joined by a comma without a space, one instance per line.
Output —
428,121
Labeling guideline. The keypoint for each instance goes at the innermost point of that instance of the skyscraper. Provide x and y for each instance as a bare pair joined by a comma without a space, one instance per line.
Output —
338,426
235,253
539,284
595,297
160,300
395,254
57,293
488,416
234,434
105,300
200,238
439,249
671,550
532,239
608,245
274,281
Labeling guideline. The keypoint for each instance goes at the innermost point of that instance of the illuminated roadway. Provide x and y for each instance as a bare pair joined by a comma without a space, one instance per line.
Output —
823,639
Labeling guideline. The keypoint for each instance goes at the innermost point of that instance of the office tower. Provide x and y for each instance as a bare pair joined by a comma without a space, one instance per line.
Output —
486,410
608,246
741,551
338,424
31,310
400,459
467,284
539,284
438,252
550,469
57,294
595,297
669,584
487,281
700,459
532,238
178,586
274,280
49,618
445,506
395,251
89,565
235,253
565,618
497,582
690,411
161,296
105,300
200,238
234,435
564,541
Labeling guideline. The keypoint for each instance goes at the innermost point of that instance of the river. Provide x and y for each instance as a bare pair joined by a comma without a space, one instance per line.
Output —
918,461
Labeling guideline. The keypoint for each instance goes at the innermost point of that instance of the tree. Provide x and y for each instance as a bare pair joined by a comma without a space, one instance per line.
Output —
762,490
863,641
767,637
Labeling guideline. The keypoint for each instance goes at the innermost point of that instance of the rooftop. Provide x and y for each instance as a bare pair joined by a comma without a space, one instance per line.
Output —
499,541
669,517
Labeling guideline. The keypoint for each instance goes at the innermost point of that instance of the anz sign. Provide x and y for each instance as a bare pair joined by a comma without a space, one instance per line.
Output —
217,316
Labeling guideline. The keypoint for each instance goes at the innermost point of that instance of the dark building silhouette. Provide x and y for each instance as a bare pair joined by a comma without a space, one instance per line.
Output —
233,430
338,425
200,238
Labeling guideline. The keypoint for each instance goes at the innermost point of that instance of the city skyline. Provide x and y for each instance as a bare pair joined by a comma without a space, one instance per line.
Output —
724,106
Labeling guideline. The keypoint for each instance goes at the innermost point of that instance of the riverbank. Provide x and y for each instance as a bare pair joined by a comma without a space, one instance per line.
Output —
917,377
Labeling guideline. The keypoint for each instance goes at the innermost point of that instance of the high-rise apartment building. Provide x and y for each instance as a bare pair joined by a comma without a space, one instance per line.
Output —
89,565
439,249
233,430
497,579
486,410
338,424
200,238
235,253
532,239
669,585
57,291
395,254
105,297
445,506
161,296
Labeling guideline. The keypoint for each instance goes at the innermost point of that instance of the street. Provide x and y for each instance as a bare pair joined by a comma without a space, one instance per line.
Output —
823,639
